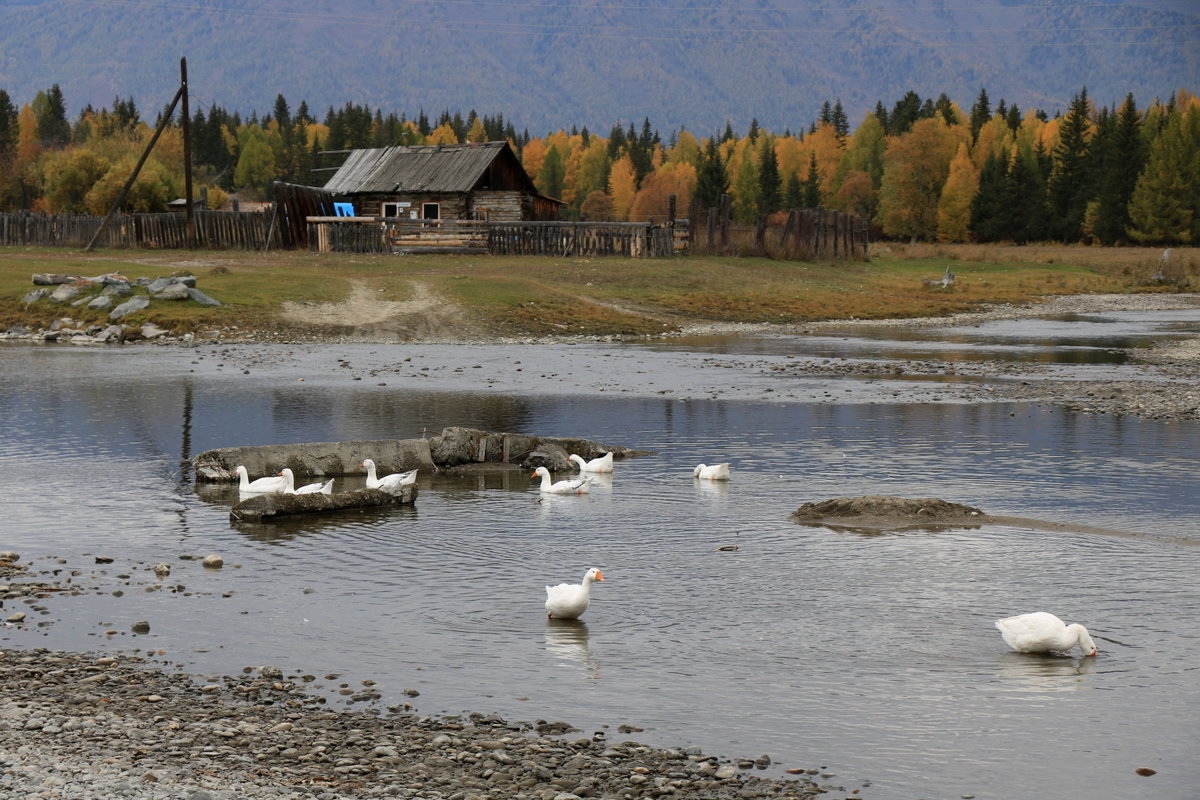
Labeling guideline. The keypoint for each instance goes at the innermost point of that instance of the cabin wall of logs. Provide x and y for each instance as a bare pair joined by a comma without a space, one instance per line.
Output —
214,230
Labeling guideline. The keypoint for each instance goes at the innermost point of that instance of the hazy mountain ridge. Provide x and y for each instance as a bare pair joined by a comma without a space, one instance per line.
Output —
696,63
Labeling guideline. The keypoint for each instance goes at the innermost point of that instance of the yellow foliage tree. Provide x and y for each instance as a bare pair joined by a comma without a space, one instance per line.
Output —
622,187
443,134
995,139
477,132
532,157
915,167
857,194
653,201
954,207
828,147
685,151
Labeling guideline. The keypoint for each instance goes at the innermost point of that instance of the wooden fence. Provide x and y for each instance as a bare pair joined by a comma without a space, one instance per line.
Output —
394,235
796,235
214,230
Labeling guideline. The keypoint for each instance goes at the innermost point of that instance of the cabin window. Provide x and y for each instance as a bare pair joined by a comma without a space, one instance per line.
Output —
392,209
430,211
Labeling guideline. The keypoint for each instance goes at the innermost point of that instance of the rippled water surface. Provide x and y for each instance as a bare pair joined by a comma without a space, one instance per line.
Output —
871,656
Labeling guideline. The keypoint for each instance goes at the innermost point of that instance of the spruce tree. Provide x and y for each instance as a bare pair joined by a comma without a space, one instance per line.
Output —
711,180
50,111
812,184
1120,158
987,218
841,124
8,128
770,197
793,193
1070,181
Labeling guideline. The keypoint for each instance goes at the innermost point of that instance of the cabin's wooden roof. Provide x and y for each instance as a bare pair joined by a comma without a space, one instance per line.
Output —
425,168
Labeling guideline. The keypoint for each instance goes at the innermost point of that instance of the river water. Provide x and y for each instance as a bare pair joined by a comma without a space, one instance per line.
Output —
872,657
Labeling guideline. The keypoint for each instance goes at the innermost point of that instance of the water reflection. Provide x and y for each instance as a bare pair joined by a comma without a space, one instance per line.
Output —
567,640
1040,673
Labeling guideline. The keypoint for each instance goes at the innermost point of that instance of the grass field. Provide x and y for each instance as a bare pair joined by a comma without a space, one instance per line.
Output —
599,296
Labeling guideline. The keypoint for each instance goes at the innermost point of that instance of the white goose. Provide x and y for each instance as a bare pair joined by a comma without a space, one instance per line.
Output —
602,464
389,483
309,488
1042,632
570,600
569,486
711,472
268,485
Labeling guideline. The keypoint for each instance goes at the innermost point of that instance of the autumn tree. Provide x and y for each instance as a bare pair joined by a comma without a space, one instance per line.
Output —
622,187
1164,205
69,176
596,206
746,188
653,200
954,207
255,168
914,170
858,195
864,152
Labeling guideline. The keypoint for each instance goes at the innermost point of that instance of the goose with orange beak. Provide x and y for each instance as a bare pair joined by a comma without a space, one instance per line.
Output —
570,600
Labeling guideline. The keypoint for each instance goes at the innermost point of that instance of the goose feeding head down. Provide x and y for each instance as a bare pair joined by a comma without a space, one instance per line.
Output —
1042,632
570,600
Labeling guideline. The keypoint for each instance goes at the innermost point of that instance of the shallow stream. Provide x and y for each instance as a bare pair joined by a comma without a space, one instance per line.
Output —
872,657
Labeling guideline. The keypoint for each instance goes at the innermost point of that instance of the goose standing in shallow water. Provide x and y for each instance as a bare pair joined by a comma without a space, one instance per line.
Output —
389,483
570,600
570,486
289,486
269,485
1042,632
711,472
602,464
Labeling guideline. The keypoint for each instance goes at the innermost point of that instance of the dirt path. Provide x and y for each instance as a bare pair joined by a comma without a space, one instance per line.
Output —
425,317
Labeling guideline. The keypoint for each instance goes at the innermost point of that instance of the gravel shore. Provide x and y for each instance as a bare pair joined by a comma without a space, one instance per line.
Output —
123,724
79,725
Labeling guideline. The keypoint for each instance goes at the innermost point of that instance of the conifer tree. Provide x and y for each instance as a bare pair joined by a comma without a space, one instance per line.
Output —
979,114
793,192
1120,157
1164,206
770,196
550,176
811,187
841,123
8,128
1070,181
53,129
711,179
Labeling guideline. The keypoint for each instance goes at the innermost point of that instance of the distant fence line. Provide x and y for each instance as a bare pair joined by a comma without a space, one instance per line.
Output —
796,235
799,235
214,230
396,235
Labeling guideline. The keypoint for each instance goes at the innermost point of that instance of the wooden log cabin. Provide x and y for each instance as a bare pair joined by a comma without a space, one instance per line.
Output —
473,181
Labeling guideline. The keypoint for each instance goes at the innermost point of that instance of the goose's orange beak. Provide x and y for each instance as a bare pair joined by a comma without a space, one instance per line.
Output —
599,575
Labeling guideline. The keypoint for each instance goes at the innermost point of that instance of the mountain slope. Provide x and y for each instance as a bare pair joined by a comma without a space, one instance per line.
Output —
547,64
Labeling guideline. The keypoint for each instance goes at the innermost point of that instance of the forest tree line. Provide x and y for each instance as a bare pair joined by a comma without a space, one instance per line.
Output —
922,169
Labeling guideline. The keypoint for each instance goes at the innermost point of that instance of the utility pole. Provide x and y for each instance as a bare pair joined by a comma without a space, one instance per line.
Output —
185,120
181,94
